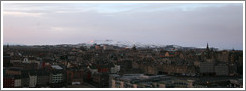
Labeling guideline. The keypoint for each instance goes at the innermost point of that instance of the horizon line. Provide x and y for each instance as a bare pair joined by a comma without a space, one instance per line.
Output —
16,44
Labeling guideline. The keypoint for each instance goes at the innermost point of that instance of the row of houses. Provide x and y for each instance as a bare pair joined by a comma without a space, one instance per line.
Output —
17,77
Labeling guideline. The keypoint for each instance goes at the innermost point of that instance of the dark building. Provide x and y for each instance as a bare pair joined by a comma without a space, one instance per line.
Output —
100,80
25,78
42,78
6,60
8,81
74,75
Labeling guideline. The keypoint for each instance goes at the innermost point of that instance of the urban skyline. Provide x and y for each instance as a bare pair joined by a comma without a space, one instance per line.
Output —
184,24
85,45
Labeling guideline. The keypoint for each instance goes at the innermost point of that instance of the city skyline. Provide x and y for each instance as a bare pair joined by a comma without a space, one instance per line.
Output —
184,24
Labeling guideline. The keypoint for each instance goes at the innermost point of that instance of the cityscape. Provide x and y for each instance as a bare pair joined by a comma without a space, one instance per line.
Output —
122,45
110,66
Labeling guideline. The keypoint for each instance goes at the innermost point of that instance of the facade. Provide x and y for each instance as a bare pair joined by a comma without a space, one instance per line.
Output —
108,47
42,78
56,77
207,68
74,76
33,80
100,80
115,69
6,60
25,79
221,70
223,56
8,81
17,83
13,71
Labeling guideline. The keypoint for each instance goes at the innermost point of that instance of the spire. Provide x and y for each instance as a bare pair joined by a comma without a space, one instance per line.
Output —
208,52
207,47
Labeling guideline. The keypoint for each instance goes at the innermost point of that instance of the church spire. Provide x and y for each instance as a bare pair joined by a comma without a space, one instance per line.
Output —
208,52
207,47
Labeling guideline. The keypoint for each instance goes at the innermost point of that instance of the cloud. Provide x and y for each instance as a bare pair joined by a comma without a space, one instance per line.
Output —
21,14
57,29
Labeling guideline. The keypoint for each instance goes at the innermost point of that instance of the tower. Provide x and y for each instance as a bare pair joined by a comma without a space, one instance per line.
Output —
208,51
207,47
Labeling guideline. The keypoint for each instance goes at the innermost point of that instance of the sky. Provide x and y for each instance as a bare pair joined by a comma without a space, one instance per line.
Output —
184,24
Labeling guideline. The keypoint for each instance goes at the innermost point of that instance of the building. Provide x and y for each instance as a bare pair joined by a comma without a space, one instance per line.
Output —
6,60
32,79
221,70
13,71
74,76
103,68
98,47
8,81
56,75
108,47
100,80
207,68
138,81
42,78
115,69
223,56
236,83
25,78
17,82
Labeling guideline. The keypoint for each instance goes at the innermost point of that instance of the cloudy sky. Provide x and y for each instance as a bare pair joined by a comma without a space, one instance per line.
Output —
185,24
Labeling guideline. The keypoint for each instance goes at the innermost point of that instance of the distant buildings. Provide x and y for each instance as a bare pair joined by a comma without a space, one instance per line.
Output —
6,60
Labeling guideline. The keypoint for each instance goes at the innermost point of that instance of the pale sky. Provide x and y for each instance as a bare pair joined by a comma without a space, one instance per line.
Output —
184,24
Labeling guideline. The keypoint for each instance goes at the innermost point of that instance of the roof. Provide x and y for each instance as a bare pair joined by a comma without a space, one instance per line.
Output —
135,78
56,67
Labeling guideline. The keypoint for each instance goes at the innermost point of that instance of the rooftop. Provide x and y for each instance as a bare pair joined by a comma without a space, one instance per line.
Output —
56,67
131,77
